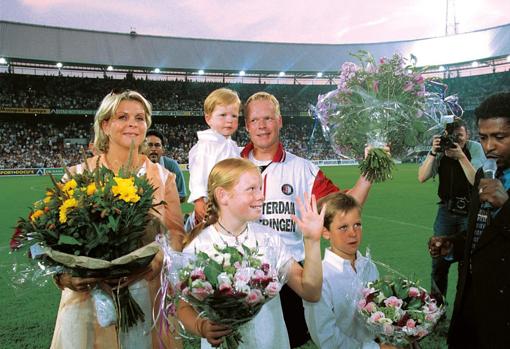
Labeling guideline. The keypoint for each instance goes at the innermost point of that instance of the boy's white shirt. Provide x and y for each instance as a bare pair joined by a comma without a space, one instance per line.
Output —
332,321
211,148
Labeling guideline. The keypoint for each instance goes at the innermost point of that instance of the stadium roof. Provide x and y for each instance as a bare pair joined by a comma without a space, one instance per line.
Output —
35,43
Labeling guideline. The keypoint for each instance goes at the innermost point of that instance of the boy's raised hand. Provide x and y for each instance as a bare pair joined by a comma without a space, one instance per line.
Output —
311,222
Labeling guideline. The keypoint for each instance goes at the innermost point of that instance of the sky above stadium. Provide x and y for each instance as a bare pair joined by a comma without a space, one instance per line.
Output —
317,21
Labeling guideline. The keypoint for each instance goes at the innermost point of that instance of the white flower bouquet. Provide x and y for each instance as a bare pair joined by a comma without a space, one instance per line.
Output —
228,285
398,311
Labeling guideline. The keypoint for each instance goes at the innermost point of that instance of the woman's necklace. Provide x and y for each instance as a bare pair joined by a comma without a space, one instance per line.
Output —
232,234
108,165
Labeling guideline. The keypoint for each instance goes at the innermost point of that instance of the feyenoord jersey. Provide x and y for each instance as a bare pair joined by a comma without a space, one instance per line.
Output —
285,179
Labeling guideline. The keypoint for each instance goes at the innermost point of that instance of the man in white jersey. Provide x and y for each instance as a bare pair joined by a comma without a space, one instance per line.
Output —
285,178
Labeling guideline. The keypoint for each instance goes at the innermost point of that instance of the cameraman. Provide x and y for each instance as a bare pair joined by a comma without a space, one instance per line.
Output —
455,159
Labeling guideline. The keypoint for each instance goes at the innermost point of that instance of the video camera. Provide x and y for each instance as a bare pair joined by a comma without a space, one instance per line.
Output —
448,138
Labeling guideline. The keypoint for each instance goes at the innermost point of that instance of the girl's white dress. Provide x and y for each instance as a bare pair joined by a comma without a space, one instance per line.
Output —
267,329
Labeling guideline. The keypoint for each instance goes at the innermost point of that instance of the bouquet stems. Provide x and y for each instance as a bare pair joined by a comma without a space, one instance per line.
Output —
377,166
128,310
232,341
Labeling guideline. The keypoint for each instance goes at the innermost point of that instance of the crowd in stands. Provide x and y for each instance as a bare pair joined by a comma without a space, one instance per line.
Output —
28,144
472,90
38,144
59,92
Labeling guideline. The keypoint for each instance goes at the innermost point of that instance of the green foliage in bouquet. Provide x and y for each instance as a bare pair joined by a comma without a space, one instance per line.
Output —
377,166
378,104
95,214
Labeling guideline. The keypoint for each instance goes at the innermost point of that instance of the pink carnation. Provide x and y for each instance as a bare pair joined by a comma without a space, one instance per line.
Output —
411,323
432,307
254,297
243,274
367,291
272,289
197,274
362,303
225,288
375,317
258,276
265,267
414,292
202,290
393,302
370,307
388,329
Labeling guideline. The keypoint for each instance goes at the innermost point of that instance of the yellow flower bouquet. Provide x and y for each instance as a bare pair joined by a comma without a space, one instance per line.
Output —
92,225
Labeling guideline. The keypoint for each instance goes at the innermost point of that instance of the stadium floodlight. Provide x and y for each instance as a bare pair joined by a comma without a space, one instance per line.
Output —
242,73
157,71
59,65
3,60
110,68
319,74
475,64
508,58
282,73
441,68
201,72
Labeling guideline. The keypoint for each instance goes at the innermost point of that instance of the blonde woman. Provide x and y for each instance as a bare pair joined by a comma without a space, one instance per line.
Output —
122,119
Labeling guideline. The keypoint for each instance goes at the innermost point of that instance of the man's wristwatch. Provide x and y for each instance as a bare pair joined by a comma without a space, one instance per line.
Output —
432,154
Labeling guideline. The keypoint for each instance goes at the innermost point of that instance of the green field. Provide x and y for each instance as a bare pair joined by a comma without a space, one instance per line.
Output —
397,221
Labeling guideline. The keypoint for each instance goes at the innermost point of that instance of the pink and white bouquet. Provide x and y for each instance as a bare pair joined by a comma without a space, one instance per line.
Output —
398,311
228,284
377,103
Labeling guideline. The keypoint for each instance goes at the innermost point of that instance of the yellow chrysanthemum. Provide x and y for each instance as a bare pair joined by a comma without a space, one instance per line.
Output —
68,204
49,193
125,189
47,199
91,189
36,214
69,187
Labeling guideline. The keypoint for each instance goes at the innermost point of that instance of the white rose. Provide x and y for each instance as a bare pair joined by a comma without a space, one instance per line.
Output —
242,286
226,261
217,258
223,278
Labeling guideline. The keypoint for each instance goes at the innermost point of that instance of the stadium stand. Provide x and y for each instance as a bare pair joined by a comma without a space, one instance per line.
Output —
66,106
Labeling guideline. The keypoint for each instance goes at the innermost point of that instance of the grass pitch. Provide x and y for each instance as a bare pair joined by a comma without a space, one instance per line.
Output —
397,222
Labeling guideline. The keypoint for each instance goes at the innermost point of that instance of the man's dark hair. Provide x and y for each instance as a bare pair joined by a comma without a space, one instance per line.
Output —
156,133
495,106
458,123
